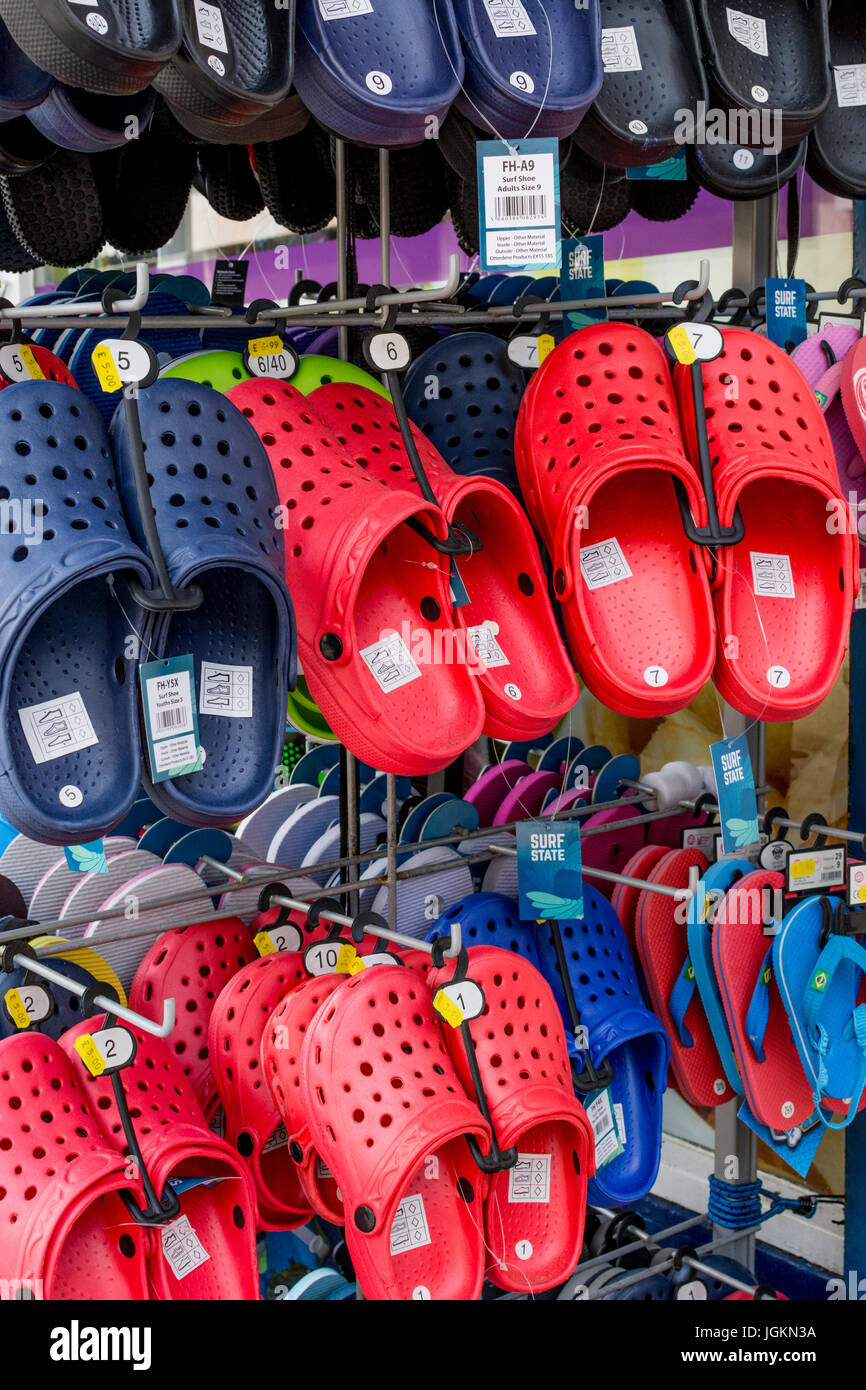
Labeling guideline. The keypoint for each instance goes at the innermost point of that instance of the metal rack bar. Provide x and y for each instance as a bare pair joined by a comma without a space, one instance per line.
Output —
109,1006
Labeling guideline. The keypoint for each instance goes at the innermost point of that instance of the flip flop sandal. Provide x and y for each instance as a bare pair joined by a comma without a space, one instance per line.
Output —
522,695
134,221
854,395
299,191
260,827
226,179
634,119
775,57
488,919
87,123
716,881
526,798
86,896
288,117
25,861
95,965
421,900
114,49
611,851
472,418
397,710
327,847
301,828
321,1285
55,210
487,793
23,85
777,1090
453,816
538,71
72,1237
837,143
216,1224
220,370
240,1021
376,77
403,1212
533,1212
741,174
622,1032
821,985
192,966
785,592
53,889
283,1037
614,380
577,796
219,550
316,370
664,955
625,898
236,59
47,792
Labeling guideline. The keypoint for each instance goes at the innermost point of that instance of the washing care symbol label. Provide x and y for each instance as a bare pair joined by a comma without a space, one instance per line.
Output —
226,690
182,1248
58,727
409,1229
529,1179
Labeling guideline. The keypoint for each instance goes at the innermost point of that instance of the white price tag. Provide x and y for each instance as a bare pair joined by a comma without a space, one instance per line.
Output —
523,351
388,352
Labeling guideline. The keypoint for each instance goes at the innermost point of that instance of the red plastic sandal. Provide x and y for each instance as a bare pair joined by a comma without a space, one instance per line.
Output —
281,1053
664,957
65,1232
533,1212
370,595
527,680
598,448
192,966
209,1250
389,1117
241,1017
784,594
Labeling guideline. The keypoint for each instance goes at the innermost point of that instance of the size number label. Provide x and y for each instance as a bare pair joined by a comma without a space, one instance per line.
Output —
106,1051
28,1004
276,939
270,357
459,1002
388,352
118,362
18,363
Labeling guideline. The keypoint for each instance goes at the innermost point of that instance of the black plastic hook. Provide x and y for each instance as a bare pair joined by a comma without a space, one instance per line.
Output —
588,1078
811,825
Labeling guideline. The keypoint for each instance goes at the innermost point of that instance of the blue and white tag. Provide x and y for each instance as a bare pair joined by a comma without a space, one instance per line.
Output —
582,277
170,720
671,170
786,311
519,205
735,792
549,881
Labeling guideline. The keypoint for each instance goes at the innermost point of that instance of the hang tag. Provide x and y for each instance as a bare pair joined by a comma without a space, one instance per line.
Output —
519,204
271,357
856,894
459,1002
735,792
28,1004
694,342
751,852
549,870
459,596
170,719
702,837
182,1248
796,1147
671,170
275,939
608,1144
522,350
369,962
18,363
786,311
87,859
774,855
808,869
387,352
694,1292
323,957
106,1051
230,283
582,277
120,362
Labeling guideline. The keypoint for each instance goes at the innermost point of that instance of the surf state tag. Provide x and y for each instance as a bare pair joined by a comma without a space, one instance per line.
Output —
550,885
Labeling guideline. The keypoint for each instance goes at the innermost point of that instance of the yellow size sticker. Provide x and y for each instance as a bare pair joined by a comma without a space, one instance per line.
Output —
450,1011
802,868
682,346
263,347
28,357
546,344
264,945
17,1011
90,1055
346,960
106,369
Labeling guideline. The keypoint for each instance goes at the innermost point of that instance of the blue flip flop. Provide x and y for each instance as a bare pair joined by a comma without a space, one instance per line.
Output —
717,879
215,501
69,743
622,1032
376,73
533,67
819,974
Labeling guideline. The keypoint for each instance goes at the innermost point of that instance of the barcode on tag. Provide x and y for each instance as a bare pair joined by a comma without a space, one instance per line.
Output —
169,703
620,1122
278,1140
409,1229
182,1247
771,575
344,9
520,207
210,26
851,84
619,50
529,1179
509,19
170,719
390,663
226,690
749,30
57,728
483,639
603,564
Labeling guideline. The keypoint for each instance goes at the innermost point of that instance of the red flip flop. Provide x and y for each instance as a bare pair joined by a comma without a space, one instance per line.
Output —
784,594
625,898
281,1052
534,1212
372,597
209,1251
240,1019
388,1115
192,966
664,957
598,450
65,1232
527,680
778,1093
854,393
